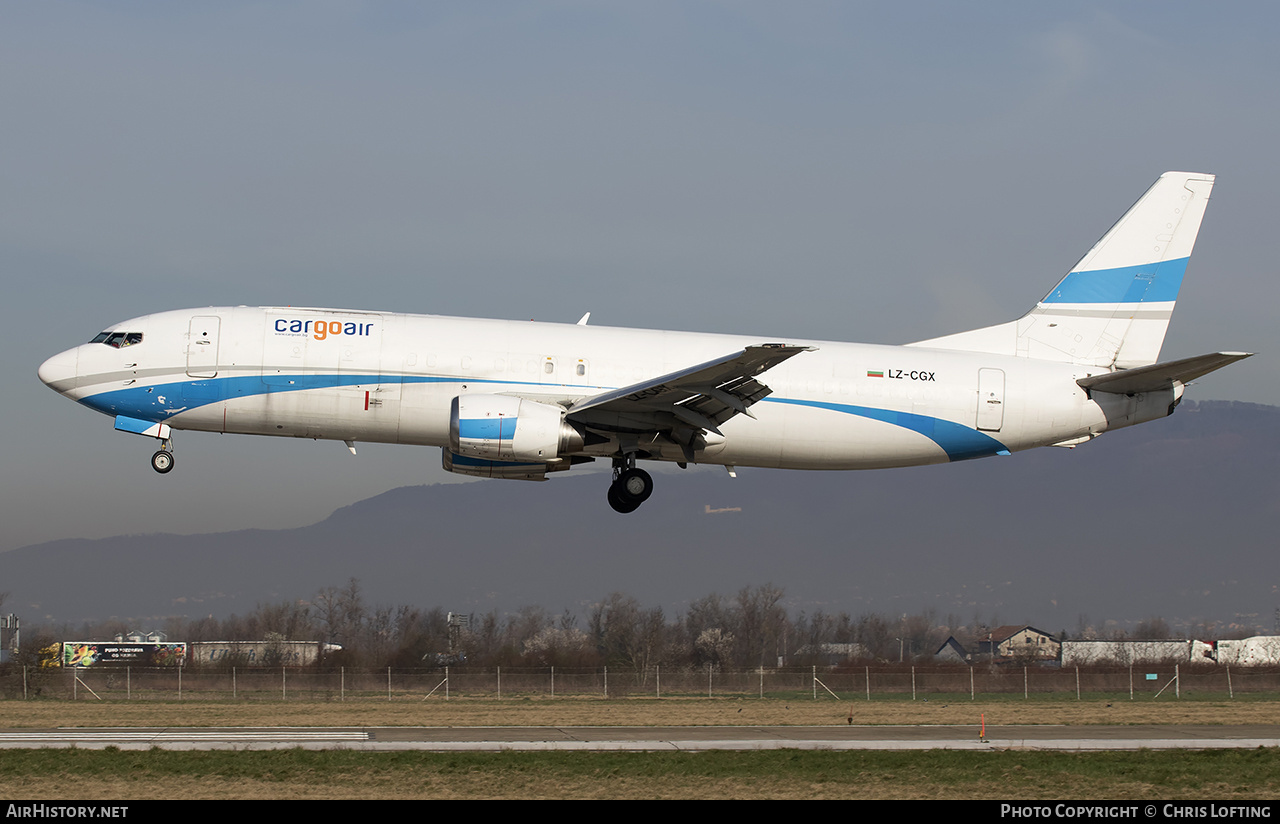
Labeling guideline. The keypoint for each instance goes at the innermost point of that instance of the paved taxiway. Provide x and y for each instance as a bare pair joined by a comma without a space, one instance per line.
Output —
644,739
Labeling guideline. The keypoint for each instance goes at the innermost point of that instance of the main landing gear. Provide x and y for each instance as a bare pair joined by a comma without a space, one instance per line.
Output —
631,486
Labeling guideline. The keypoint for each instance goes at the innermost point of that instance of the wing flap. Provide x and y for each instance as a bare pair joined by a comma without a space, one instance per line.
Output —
702,396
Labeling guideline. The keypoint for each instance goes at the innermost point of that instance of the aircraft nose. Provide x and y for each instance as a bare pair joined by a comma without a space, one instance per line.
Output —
59,372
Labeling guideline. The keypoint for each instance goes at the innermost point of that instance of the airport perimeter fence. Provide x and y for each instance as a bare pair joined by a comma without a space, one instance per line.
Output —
847,683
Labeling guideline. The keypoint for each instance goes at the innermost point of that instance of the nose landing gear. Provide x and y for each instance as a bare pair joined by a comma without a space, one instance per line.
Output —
631,486
162,461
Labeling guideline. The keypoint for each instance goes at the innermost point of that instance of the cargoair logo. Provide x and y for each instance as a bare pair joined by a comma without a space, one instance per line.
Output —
321,329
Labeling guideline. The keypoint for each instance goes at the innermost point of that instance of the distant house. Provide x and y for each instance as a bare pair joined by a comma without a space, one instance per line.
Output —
952,652
1020,642
139,637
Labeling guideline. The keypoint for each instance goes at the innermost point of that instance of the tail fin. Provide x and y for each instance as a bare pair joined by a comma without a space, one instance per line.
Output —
1113,307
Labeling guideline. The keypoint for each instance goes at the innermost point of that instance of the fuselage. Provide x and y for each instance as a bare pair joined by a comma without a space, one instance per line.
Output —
391,378
516,400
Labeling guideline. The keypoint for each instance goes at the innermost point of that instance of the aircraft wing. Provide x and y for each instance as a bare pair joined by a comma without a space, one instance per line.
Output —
700,397
1160,375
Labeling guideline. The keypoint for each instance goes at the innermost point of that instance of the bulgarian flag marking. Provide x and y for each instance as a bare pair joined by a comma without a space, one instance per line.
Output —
875,373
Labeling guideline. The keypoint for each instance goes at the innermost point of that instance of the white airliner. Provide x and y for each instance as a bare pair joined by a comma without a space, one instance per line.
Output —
507,399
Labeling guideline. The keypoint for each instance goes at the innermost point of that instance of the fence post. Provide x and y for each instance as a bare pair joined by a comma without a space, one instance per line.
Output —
179,683
233,683
708,680
657,679
388,684
606,682
1231,693
971,693
913,682
815,682
446,683
1177,682
499,683
1077,683
867,674
284,692
1024,683
128,683
553,681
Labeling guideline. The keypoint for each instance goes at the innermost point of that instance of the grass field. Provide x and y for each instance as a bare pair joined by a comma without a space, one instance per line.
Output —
337,774
296,774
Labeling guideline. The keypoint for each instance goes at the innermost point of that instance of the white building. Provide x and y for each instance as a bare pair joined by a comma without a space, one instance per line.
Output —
1258,650
1132,651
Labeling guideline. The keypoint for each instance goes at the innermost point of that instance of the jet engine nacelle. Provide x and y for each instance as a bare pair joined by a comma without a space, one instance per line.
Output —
484,468
507,428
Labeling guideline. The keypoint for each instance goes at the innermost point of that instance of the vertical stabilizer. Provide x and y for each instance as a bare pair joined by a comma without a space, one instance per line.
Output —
1113,308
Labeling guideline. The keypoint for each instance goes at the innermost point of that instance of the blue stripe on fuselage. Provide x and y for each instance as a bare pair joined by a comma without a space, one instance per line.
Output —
159,402
960,442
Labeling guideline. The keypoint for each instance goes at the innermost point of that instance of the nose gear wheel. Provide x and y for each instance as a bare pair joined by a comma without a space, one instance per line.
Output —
162,461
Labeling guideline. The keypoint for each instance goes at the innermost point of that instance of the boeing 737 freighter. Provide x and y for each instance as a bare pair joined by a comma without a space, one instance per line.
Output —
507,399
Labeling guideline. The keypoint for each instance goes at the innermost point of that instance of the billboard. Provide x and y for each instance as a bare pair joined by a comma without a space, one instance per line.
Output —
117,653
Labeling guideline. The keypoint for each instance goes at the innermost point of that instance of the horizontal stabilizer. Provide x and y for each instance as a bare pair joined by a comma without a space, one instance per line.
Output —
1160,375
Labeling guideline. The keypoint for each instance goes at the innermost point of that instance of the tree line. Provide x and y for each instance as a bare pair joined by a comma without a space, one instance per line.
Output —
748,629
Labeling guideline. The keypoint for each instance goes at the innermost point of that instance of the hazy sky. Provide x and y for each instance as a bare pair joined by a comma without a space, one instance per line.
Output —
872,172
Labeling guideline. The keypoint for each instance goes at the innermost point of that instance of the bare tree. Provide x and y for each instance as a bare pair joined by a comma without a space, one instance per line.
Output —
1153,628
873,633
761,625
626,634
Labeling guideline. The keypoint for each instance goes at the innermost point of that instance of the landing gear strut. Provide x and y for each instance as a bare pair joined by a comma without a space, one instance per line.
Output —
631,486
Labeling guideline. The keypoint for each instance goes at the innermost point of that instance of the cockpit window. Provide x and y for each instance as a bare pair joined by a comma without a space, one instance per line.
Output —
118,340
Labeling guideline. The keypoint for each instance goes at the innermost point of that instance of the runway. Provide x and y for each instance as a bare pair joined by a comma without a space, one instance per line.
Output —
652,739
